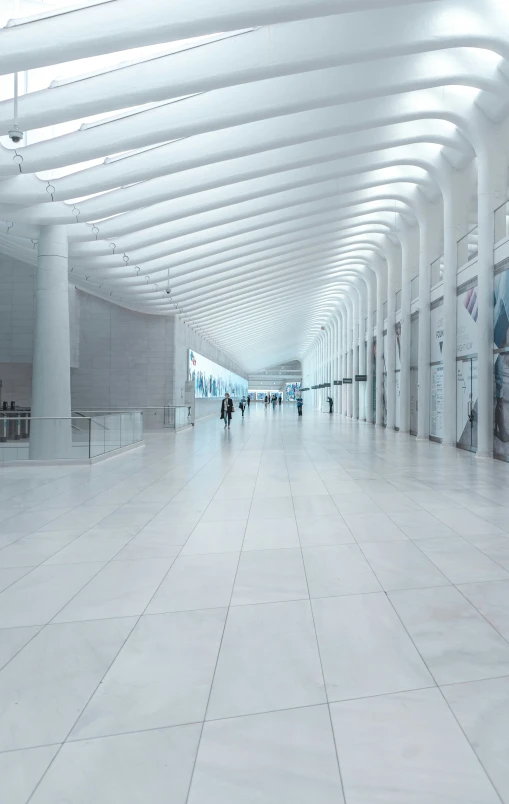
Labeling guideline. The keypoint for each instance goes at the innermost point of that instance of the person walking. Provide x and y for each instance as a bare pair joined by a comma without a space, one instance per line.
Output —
226,410
243,405
266,400
279,401
300,402
248,401
331,404
274,398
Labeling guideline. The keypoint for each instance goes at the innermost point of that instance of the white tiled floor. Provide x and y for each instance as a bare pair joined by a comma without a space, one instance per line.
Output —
297,611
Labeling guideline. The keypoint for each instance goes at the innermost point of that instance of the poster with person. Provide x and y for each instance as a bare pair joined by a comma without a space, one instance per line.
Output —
501,369
466,369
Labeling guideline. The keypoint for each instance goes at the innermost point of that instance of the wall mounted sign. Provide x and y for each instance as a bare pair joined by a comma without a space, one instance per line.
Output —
338,382
361,378
347,381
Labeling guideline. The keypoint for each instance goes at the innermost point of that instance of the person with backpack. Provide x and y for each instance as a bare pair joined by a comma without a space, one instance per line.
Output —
243,405
226,410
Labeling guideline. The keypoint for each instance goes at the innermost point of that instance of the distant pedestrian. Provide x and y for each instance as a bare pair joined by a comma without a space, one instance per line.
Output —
279,401
226,410
331,404
243,405
248,401
266,400
300,402
274,398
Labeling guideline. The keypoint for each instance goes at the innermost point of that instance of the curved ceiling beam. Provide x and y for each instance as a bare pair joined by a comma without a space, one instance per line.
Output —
143,195
236,61
236,106
85,32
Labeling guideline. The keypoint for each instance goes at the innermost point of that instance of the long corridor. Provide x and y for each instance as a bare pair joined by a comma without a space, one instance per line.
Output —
295,611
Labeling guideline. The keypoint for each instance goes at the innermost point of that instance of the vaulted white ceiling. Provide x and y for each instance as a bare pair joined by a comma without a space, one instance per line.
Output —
249,156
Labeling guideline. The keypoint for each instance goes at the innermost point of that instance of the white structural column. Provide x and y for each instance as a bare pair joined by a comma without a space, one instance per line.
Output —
51,374
334,389
370,280
393,271
339,397
424,323
349,356
409,256
355,352
380,298
361,287
344,362
455,222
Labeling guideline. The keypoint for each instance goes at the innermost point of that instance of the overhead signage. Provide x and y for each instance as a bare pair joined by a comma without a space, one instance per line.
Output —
361,378
347,381
326,385
338,382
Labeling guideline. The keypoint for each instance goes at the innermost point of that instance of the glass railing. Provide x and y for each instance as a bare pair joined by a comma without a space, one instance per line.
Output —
173,417
468,247
414,288
177,417
502,222
437,271
79,437
398,300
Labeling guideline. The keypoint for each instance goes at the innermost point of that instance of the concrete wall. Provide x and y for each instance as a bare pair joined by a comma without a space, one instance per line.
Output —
119,358
125,358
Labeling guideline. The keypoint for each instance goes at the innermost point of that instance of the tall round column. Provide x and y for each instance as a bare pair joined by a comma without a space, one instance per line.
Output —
51,370
362,351
355,353
409,246
380,293
393,263
349,356
449,348
369,358
424,369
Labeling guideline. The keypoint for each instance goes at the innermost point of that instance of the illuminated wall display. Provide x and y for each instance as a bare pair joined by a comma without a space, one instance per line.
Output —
212,380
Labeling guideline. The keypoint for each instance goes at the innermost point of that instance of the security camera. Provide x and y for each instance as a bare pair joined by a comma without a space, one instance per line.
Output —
15,134
168,291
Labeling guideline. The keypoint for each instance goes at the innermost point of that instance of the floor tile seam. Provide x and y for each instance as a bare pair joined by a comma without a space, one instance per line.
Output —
29,570
45,625
417,544
484,617
475,681
431,586
324,683
35,533
439,688
472,746
222,481
191,778
81,712
50,622
495,560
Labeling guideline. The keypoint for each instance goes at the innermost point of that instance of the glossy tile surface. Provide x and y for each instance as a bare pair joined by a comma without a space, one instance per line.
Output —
189,622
